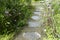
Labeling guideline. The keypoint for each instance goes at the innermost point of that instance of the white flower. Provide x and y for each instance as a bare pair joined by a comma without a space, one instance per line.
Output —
6,11
44,30
10,15
8,22
14,20
19,13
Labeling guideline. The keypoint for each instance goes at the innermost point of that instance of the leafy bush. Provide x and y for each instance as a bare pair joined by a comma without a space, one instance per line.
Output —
13,15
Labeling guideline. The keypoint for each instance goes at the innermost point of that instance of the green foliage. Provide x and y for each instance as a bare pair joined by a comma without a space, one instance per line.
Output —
7,37
53,32
57,20
38,0
14,15
56,6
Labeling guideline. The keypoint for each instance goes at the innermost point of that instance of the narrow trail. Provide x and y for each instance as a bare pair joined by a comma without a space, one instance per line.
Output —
35,30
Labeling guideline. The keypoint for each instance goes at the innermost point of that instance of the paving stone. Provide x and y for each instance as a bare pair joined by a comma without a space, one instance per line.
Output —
35,17
39,9
37,13
31,35
34,24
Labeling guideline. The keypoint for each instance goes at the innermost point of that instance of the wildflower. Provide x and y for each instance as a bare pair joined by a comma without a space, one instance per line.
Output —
44,30
8,22
6,11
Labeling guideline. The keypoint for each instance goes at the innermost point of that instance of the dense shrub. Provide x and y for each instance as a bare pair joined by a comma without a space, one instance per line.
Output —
13,15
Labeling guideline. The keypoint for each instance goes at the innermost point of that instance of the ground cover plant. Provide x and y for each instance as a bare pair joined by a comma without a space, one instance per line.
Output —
53,31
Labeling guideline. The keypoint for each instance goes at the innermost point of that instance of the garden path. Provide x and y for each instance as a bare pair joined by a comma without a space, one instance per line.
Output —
35,30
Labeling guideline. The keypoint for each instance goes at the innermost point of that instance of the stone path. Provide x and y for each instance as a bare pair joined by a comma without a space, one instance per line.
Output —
35,30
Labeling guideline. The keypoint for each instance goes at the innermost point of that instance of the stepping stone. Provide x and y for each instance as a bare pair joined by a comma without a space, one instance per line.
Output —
37,13
35,17
36,3
39,9
48,1
31,35
34,24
